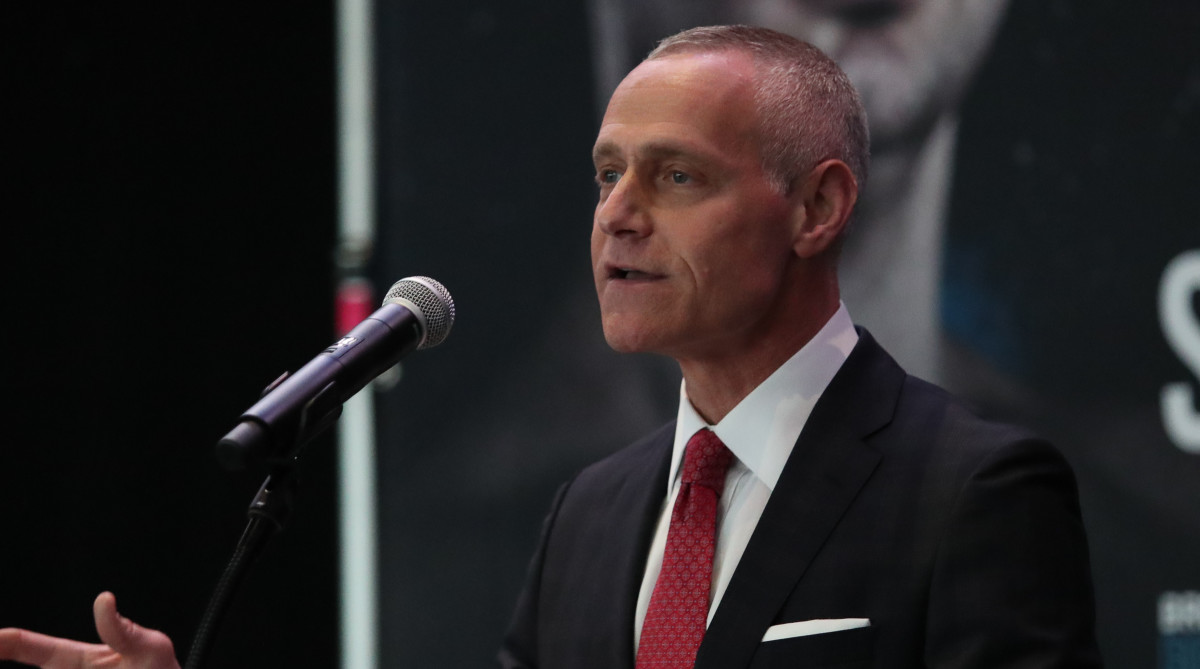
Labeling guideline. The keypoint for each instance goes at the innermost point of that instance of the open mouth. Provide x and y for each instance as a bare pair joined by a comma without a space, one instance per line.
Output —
628,274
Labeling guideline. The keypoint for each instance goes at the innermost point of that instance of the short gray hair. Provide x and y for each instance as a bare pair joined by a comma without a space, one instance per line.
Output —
808,109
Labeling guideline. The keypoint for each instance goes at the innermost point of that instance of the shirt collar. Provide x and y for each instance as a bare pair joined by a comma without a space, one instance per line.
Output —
763,427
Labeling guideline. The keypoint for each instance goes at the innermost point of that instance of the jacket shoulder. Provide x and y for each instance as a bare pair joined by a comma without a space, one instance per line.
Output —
616,472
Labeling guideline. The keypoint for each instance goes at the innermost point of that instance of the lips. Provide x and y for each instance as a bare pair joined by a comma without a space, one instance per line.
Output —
629,273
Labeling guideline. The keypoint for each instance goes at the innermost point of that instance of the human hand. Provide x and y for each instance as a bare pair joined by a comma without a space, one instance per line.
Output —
126,645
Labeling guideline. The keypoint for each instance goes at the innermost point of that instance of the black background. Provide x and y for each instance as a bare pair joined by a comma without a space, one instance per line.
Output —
169,218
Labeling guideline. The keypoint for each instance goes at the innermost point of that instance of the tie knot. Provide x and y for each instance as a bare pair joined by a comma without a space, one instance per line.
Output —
705,461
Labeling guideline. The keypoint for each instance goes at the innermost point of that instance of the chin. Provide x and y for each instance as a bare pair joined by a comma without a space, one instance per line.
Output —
622,343
624,339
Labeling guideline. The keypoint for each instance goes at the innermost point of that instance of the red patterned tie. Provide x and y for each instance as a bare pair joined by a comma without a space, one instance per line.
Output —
675,619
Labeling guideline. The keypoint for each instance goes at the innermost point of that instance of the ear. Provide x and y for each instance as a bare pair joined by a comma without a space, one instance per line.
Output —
827,197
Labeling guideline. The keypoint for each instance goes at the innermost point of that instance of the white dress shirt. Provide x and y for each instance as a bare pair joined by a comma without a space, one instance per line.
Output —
760,431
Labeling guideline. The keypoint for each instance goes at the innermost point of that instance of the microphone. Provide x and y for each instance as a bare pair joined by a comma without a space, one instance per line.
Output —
417,313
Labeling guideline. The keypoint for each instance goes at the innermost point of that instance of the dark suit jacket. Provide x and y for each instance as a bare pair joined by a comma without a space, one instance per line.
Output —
960,539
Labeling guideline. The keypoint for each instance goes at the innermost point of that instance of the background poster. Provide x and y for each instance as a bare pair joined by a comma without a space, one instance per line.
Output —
1033,167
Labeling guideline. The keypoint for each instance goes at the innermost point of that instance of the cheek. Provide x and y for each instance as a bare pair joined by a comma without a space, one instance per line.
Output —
597,243
753,258
703,247
738,239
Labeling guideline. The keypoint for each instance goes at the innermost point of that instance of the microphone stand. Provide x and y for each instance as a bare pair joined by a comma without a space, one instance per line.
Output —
268,513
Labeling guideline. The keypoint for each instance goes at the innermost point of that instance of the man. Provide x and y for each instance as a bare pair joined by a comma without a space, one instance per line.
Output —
833,510
866,518
912,62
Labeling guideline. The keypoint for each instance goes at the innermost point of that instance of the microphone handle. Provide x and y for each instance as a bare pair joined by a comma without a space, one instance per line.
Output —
299,406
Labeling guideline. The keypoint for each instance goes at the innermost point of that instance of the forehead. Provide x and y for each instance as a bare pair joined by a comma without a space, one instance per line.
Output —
706,98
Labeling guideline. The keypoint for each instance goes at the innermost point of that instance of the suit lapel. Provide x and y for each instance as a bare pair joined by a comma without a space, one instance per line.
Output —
636,503
829,465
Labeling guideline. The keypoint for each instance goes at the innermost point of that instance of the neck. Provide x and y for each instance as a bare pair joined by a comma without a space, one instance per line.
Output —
716,383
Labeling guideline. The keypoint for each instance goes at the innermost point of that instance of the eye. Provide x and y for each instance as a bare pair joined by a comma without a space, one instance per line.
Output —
680,178
606,176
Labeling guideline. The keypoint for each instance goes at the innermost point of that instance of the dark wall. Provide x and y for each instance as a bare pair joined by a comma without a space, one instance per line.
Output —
169,235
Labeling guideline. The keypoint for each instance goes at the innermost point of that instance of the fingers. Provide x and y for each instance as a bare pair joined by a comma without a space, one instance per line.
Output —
130,646
144,647
114,630
32,648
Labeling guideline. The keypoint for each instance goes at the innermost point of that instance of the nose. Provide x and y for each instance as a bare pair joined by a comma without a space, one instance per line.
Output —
623,212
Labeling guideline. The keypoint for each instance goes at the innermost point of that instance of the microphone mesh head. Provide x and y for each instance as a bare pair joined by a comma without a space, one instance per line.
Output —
431,303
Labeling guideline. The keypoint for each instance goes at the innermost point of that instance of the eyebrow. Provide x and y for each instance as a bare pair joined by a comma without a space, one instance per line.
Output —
658,150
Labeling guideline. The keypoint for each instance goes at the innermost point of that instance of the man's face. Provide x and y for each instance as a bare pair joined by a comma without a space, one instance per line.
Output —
911,60
690,242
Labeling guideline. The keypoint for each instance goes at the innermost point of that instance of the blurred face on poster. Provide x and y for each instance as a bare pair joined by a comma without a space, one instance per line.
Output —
911,60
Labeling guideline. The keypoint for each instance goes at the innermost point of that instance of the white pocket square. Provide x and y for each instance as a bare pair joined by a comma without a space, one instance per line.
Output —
809,627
